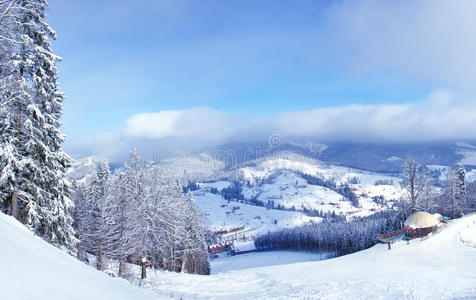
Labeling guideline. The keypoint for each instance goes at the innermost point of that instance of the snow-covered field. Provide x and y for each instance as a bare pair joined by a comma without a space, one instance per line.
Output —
468,235
225,263
219,214
288,189
265,167
468,153
440,267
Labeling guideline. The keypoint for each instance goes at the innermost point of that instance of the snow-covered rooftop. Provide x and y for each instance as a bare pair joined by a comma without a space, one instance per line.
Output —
421,220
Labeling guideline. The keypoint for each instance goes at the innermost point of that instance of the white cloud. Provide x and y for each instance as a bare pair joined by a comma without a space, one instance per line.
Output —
442,116
203,123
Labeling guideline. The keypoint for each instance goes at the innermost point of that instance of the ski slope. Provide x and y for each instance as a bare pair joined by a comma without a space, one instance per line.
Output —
440,267
30,268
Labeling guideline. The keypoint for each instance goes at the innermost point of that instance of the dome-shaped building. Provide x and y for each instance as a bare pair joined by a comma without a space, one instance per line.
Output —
420,224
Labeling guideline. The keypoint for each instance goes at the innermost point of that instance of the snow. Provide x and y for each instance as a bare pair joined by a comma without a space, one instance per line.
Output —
267,166
393,158
242,246
468,235
83,170
439,267
219,185
289,190
225,263
275,180
468,153
219,214
30,268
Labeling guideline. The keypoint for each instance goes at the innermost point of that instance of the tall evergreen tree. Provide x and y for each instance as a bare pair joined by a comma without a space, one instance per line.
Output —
32,179
99,213
454,200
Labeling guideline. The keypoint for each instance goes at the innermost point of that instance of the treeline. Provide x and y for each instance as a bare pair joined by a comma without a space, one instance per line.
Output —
337,237
139,215
342,189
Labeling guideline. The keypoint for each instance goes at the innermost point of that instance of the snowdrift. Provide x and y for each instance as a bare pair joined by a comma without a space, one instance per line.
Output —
30,268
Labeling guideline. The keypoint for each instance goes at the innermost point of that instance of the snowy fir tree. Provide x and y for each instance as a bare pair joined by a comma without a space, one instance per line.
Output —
33,163
99,214
454,200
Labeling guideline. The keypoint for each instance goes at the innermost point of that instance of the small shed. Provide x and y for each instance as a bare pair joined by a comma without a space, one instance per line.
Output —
420,224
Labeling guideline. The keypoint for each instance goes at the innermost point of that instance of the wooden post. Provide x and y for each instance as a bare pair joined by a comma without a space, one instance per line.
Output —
15,205
121,268
143,273
99,261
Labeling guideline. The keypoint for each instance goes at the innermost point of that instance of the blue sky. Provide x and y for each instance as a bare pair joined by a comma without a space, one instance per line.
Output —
253,61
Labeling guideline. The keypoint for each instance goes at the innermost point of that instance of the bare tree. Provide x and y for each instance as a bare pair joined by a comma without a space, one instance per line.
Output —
417,183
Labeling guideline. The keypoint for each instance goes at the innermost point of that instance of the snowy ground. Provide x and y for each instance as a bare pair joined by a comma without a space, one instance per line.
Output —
30,268
440,267
225,263
219,215
468,235
290,190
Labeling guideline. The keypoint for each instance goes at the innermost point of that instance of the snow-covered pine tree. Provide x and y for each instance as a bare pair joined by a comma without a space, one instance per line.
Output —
174,221
120,206
99,214
461,188
34,176
10,93
195,258
454,200
140,236
80,218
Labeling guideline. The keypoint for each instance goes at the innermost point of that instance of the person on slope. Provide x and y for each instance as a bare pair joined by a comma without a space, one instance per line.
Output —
389,247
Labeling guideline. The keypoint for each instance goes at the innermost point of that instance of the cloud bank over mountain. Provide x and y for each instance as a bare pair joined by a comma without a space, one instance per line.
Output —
442,116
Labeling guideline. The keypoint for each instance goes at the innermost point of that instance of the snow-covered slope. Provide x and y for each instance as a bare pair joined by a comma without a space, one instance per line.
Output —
30,268
441,267
220,215
277,182
83,170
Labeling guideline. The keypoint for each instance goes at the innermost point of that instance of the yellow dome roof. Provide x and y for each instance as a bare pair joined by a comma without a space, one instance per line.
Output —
421,220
